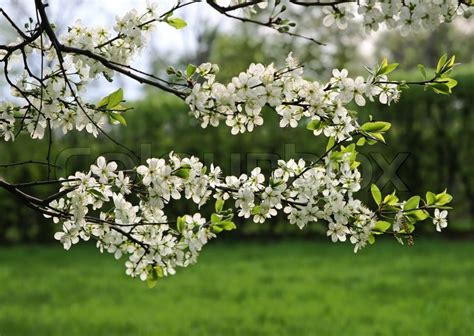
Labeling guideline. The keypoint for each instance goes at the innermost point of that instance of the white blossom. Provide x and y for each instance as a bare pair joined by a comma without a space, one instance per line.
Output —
440,219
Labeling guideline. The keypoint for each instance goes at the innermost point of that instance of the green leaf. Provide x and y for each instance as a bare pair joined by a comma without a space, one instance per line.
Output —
118,117
331,143
176,23
443,198
376,194
419,215
378,137
440,88
103,102
388,69
371,142
190,70
217,229
421,67
371,239
376,126
227,225
222,225
159,271
219,205
412,203
355,164
390,199
430,198
441,63
361,142
256,210
112,100
115,98
216,219
450,63
155,273
151,282
183,171
314,124
381,226
451,83
180,224
98,194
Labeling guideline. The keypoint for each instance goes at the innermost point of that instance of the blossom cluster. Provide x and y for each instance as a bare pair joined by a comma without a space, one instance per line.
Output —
406,15
54,100
130,219
306,193
124,210
285,90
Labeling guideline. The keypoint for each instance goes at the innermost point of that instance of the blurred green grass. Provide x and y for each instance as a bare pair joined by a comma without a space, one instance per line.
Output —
254,288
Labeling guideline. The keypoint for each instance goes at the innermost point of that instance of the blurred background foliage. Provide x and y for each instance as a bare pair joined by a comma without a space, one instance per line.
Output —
431,142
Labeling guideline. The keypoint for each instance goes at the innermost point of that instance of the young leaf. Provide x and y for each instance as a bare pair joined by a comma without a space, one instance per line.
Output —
217,229
391,199
255,210
421,67
190,70
151,282
331,143
111,101
183,171
443,198
419,215
381,226
98,194
152,279
227,225
441,88
180,223
119,118
376,126
371,239
219,205
378,136
412,203
430,198
314,124
388,69
361,142
215,218
176,23
376,194
115,98
441,63
451,61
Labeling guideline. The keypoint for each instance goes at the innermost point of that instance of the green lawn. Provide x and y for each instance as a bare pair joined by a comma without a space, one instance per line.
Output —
278,288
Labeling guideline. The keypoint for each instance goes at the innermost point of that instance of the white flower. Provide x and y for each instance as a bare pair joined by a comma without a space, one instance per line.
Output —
69,235
149,173
336,15
359,240
355,89
103,169
288,117
123,183
440,219
338,76
337,232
